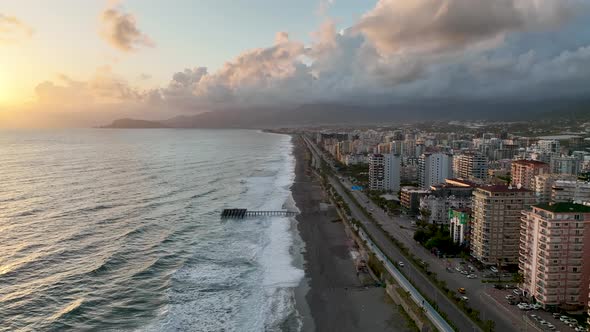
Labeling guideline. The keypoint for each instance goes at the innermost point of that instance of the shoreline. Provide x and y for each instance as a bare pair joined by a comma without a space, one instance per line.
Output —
330,296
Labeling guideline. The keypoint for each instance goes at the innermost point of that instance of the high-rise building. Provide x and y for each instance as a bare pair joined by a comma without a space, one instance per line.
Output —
565,164
555,254
470,165
524,172
549,145
434,168
571,191
384,172
495,231
544,184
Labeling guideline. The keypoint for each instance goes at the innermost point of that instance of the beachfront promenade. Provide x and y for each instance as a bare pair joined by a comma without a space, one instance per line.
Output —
387,249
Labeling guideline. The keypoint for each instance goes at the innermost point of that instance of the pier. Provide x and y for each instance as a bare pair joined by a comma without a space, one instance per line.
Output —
243,213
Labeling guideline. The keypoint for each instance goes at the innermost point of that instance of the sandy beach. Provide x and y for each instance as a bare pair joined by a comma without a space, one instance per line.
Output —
331,296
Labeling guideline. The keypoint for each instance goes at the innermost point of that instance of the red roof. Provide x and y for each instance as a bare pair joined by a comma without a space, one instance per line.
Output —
529,162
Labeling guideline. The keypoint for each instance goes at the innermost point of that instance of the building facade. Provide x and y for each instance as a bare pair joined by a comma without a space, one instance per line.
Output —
524,171
410,199
384,172
495,231
470,165
460,225
544,184
555,254
571,191
566,164
434,168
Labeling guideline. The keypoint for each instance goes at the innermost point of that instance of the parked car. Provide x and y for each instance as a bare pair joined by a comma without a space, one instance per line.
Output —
517,292
464,298
472,276
494,269
536,306
401,264
556,315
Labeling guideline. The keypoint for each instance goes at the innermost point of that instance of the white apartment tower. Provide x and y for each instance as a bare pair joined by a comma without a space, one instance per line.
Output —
384,172
434,168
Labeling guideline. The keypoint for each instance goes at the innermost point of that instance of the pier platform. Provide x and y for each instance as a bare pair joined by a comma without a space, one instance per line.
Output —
244,213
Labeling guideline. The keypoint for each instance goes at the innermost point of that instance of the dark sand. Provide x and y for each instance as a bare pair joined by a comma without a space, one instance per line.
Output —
334,298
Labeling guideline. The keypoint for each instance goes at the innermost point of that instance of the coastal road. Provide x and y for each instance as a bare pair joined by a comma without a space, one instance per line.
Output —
382,241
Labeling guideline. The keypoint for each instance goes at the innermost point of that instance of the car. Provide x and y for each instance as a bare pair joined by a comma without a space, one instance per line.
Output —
517,292
509,297
464,298
401,264
497,286
564,318
472,276
458,269
542,322
461,290
494,269
551,327
464,272
556,315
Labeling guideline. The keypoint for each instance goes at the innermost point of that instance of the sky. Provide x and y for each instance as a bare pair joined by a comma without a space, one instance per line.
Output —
97,60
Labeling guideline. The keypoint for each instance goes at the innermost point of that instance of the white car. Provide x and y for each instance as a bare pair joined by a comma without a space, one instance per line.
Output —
471,276
494,269
401,264
464,298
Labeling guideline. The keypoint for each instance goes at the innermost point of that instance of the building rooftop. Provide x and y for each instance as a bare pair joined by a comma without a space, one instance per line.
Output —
461,182
561,207
496,188
529,162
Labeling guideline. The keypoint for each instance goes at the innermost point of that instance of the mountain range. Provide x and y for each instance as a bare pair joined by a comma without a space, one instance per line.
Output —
334,114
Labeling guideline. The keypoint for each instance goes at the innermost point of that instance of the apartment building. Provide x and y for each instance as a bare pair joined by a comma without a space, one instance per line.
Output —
384,172
470,165
495,231
524,172
544,185
555,254
434,168
410,199
571,191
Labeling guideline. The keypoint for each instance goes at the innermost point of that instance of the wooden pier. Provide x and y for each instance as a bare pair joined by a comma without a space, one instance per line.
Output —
243,213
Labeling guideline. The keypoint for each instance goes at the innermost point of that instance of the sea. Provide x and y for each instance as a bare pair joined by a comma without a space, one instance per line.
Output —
120,230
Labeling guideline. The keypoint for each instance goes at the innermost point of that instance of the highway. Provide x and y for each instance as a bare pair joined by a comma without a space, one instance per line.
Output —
387,247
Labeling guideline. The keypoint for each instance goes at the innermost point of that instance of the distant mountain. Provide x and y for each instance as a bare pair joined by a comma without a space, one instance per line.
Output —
334,114
133,123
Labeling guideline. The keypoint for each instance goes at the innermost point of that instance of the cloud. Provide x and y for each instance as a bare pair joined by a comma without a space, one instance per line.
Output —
144,77
104,87
400,51
13,30
442,25
120,30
